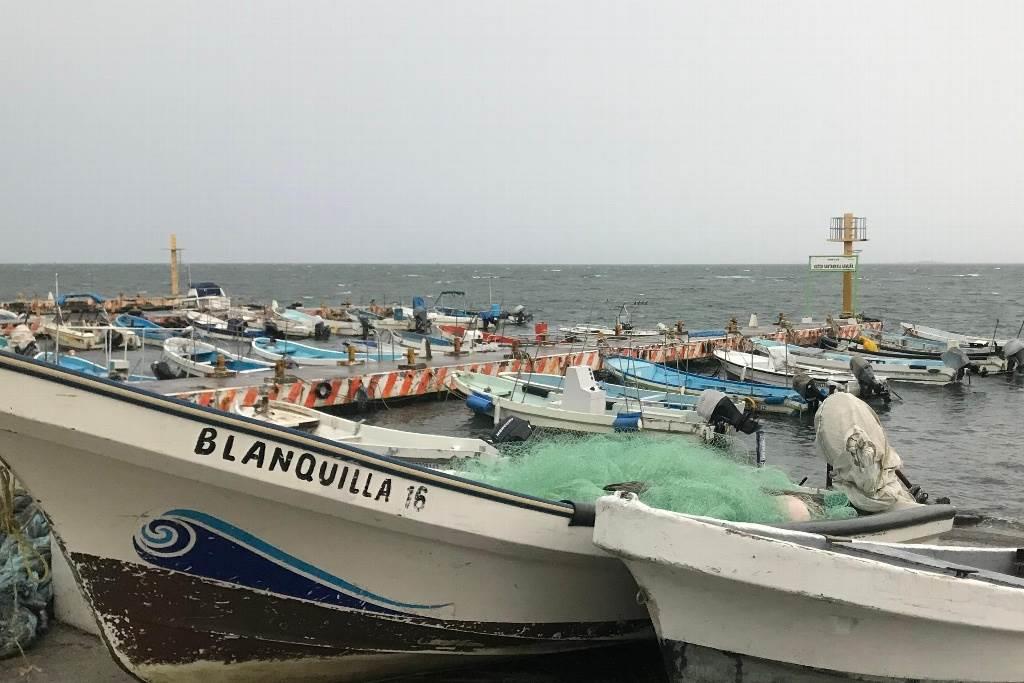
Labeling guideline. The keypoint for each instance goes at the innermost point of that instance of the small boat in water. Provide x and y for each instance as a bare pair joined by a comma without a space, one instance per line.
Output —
545,385
233,329
87,367
193,358
208,297
582,406
291,322
963,340
766,397
304,354
819,606
472,342
891,369
146,330
423,449
912,349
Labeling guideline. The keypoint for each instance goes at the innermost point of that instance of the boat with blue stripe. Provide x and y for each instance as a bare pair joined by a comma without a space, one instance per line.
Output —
86,367
647,375
146,330
304,354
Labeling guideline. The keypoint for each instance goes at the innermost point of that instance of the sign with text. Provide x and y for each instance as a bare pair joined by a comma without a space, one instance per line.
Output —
833,264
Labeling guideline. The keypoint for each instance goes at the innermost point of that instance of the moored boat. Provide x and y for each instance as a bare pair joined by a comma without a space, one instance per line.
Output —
767,398
304,354
291,322
193,358
944,337
147,331
232,329
87,367
412,446
220,548
817,606
892,369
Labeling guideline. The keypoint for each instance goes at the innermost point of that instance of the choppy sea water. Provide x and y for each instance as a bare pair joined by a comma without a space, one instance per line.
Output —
961,441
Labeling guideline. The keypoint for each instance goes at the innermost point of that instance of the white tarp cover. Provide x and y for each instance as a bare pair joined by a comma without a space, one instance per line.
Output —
851,439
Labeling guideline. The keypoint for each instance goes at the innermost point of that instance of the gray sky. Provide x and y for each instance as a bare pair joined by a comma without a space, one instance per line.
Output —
480,131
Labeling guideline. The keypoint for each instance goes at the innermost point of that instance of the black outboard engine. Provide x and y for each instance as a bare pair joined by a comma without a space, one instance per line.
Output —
1013,352
236,326
421,320
869,384
321,331
272,330
808,388
162,370
512,429
364,326
720,412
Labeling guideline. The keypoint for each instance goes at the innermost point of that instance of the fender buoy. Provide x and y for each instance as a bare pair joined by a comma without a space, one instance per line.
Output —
323,390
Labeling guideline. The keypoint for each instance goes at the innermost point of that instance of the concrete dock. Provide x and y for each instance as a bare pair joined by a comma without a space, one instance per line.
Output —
320,387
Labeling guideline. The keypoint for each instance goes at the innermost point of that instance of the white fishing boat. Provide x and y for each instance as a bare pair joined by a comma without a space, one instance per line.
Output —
206,296
797,606
752,367
419,448
193,358
944,337
235,328
296,324
303,354
219,548
795,358
583,406
73,337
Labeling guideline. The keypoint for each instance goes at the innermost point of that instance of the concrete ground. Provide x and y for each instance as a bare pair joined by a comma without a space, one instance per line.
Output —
66,655
63,655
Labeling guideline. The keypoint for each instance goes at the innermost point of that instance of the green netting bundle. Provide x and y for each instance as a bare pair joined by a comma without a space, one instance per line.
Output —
668,473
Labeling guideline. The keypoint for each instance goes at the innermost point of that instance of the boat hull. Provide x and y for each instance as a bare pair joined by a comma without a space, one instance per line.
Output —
808,613
203,560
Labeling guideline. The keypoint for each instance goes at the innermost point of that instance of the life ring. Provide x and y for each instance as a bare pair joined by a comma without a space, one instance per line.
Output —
323,390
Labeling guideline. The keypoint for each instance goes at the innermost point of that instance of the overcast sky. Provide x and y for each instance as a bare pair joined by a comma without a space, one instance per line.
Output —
479,131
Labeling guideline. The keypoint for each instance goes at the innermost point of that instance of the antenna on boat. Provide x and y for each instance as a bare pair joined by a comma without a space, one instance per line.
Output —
60,317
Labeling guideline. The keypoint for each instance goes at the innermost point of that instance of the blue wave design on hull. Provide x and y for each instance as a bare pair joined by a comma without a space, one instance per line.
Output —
199,544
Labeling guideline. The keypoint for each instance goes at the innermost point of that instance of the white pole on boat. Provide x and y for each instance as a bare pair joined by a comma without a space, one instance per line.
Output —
56,327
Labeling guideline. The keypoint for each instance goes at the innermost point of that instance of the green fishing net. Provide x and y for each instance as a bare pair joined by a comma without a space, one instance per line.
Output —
666,472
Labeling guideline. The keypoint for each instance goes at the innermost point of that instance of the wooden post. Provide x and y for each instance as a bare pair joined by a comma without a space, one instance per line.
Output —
174,265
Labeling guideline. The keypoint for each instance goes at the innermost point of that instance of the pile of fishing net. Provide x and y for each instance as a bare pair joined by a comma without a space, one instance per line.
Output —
666,472
25,588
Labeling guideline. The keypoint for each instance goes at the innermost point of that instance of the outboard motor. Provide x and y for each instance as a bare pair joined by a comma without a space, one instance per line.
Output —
23,341
364,325
162,370
511,430
321,331
862,463
272,330
809,390
957,359
720,412
519,315
236,326
422,322
1013,352
868,383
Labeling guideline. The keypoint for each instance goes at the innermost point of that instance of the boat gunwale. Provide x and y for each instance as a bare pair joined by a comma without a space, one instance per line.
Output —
261,429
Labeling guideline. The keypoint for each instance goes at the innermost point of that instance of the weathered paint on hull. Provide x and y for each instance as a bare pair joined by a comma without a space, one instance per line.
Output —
169,626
